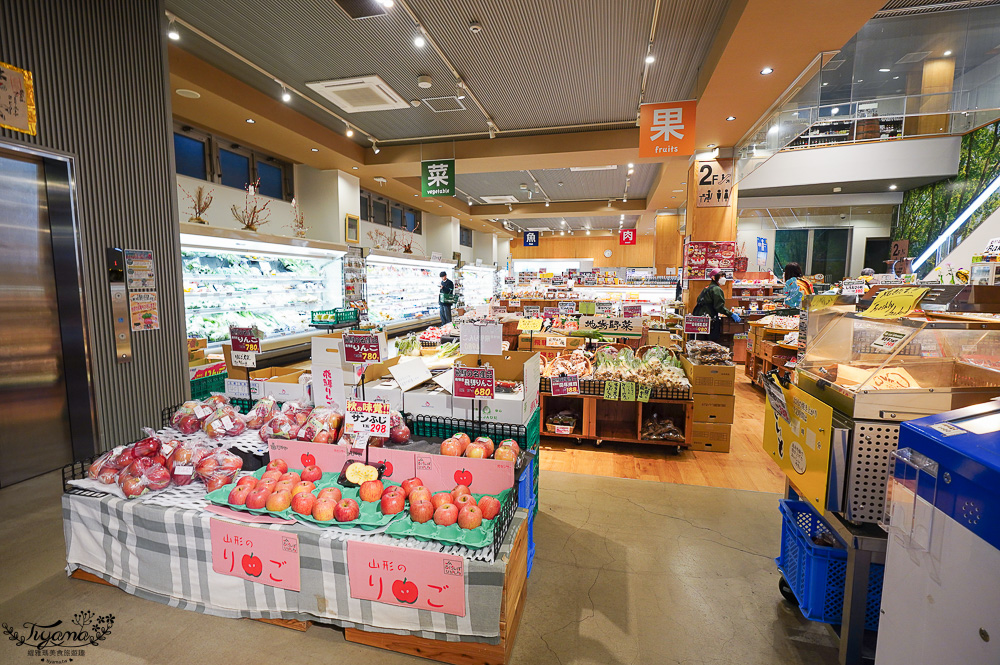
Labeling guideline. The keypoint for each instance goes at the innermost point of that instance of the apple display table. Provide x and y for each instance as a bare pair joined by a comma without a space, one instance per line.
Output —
161,549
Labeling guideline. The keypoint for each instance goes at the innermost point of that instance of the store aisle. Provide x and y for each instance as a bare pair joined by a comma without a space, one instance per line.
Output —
745,467
625,571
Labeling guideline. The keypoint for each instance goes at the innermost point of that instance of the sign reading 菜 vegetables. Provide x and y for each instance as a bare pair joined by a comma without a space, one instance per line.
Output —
474,382
437,177
361,348
895,303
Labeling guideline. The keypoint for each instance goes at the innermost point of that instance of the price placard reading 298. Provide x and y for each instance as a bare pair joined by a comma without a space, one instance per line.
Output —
370,417
474,382
361,348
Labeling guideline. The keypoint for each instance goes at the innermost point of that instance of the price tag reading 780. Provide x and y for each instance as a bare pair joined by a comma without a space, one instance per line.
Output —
474,382
367,417
361,349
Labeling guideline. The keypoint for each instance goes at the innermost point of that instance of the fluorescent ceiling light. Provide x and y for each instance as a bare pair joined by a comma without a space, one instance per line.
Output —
255,247
966,214
884,69
612,167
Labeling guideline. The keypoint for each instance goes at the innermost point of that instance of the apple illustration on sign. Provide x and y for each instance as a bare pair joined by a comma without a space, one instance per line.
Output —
308,459
463,477
388,467
252,565
405,592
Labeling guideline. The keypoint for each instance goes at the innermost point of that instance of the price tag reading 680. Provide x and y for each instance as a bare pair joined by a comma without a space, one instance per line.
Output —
474,382
361,348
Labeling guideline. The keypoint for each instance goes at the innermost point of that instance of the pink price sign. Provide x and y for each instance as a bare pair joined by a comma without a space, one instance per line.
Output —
255,555
361,348
243,339
698,325
565,385
631,311
474,383
406,577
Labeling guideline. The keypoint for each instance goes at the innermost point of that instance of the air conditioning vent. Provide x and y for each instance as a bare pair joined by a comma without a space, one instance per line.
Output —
500,199
538,228
916,56
359,95
444,104
361,8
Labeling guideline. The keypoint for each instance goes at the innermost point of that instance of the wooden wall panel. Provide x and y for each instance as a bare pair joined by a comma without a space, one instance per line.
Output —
668,246
639,255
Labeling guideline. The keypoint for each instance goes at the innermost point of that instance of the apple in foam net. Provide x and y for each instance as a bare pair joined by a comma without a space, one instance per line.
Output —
332,493
419,493
451,447
470,517
278,501
323,509
370,490
392,503
464,500
303,486
446,514
257,498
441,497
347,510
421,511
303,503
238,495
410,483
490,506
312,473
279,465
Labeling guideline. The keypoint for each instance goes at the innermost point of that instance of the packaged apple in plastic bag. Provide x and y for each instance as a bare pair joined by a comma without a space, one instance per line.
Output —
148,447
297,412
317,427
121,457
218,468
188,417
142,476
101,469
279,427
226,421
262,411
216,400
183,459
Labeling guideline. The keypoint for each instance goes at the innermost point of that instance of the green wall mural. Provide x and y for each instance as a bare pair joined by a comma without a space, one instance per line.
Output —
927,211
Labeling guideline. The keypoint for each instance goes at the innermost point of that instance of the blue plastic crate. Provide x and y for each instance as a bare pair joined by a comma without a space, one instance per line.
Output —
531,538
816,573
526,497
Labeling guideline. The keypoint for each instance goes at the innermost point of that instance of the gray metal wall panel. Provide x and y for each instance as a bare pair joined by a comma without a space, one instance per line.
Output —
101,91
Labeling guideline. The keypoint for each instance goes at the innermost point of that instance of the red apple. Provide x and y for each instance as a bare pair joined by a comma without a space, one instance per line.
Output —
441,497
419,493
463,439
249,481
217,480
464,500
188,424
147,447
157,477
393,489
490,506
109,475
278,501
347,510
132,486
505,453
399,434
290,475
312,472
446,514
370,491
272,473
470,517
459,491
410,483
488,442
331,493
477,451
257,499
392,503
303,503
279,465
284,485
451,447
421,511
303,486
269,483
323,509
512,443
238,496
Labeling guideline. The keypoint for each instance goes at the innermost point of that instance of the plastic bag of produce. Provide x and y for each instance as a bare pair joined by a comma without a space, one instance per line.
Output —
279,427
217,399
101,469
183,459
324,425
297,412
262,411
218,468
226,421
189,416
142,476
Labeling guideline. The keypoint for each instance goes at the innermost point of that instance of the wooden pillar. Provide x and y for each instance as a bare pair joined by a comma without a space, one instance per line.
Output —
708,224
669,243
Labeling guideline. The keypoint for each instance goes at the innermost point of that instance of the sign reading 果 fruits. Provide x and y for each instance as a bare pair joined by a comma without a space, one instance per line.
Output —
361,348
367,418
474,382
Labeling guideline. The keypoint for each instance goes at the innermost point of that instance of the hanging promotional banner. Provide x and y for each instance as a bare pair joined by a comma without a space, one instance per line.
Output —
437,177
715,182
761,252
626,237
531,238
666,129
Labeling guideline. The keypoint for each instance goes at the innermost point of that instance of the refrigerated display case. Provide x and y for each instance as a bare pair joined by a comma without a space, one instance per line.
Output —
403,289
478,285
243,278
652,299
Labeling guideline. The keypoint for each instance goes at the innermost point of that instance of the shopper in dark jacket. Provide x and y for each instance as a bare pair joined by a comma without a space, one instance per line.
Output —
446,297
712,303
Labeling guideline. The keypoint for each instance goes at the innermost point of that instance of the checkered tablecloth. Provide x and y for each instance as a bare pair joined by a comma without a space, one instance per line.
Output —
164,554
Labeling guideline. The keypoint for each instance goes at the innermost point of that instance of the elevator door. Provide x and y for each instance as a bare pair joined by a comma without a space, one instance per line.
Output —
34,422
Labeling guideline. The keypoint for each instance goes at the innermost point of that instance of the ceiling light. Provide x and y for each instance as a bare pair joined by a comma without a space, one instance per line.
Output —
650,59
623,217
350,131
624,199
493,130
711,145
470,200
419,41
947,53
387,3
892,187
861,80
884,69
416,195
546,204
250,121
560,183
684,182
563,222
188,94
835,110
172,32
731,118
354,168
894,78
826,83
562,233
375,147
836,190
460,90
317,150
510,208
766,71
285,95
588,232
631,165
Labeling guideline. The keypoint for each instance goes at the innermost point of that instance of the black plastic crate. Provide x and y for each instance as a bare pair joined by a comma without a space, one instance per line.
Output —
545,384
443,427
591,387
670,393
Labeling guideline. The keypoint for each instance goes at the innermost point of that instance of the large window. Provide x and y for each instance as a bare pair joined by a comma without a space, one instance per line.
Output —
386,212
464,236
201,155
818,251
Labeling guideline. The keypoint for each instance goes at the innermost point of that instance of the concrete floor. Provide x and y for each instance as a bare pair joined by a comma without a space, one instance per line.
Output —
626,571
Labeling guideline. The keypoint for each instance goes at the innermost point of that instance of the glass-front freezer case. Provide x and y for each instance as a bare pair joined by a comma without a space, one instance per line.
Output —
403,289
242,278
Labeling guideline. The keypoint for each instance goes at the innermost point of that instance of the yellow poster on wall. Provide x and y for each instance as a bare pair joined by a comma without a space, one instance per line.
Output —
801,444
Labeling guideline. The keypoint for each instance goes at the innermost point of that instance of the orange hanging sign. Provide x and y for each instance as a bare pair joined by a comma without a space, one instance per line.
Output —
666,129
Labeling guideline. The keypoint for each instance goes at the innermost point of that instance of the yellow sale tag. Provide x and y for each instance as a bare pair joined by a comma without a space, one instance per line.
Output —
529,325
895,303
644,392
821,302
611,390
628,391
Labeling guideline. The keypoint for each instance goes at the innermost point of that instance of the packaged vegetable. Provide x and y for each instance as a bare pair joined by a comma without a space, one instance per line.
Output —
261,412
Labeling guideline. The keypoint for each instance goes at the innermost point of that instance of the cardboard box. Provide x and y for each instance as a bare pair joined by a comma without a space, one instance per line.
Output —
199,369
540,342
714,408
661,338
195,343
711,437
428,400
197,354
282,383
514,409
710,379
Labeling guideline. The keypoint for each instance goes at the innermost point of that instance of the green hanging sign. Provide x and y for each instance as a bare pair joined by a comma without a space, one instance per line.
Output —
437,177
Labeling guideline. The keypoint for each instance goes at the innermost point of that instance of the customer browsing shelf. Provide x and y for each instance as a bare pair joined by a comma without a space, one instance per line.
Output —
712,303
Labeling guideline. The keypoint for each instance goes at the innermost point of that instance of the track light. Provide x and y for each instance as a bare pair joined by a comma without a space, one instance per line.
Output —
588,232
610,202
650,59
631,165
563,222
562,233
624,199
285,95
172,32
546,204
460,89
510,208
631,171
350,131
493,129
375,147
